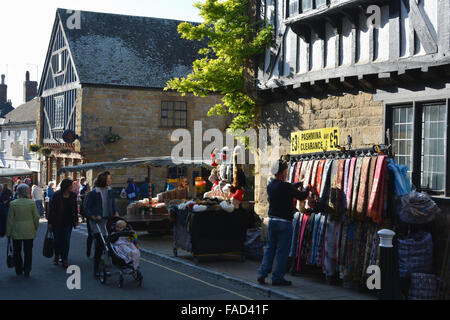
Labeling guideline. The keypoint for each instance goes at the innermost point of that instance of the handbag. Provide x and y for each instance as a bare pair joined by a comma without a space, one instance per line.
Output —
415,254
48,248
9,254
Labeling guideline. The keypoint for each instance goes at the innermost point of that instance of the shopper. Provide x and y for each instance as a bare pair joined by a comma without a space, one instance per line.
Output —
37,194
23,222
281,196
84,189
49,192
131,191
100,206
63,216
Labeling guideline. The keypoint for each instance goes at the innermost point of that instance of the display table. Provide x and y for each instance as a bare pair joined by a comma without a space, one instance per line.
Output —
211,232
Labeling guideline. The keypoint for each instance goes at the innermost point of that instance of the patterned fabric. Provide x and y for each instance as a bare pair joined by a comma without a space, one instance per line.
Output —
345,189
319,175
351,175
372,167
333,182
306,246
415,254
423,287
325,187
314,238
356,178
376,203
320,241
342,251
362,193
295,234
304,222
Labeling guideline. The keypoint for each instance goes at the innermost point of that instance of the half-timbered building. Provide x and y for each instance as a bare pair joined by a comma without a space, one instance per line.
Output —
365,67
104,74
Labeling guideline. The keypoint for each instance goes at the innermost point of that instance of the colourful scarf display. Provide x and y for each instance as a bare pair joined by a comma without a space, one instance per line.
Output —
376,203
350,187
356,179
362,193
319,175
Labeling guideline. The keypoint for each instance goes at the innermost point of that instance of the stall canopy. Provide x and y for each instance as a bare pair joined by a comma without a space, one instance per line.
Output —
8,172
146,162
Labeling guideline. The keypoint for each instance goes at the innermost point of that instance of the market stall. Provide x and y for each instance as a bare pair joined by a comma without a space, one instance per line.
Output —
148,214
357,193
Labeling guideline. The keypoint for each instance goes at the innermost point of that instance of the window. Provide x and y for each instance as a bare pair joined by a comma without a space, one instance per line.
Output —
176,172
402,134
3,141
293,7
174,114
60,62
419,140
306,5
59,113
31,136
17,136
320,3
433,147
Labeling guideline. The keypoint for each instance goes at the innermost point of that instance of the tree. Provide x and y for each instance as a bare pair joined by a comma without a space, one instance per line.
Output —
232,40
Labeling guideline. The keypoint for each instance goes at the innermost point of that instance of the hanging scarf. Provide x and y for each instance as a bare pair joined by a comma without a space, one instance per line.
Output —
319,175
375,208
340,188
305,218
325,186
333,187
297,169
362,193
372,166
345,189
313,180
350,187
356,178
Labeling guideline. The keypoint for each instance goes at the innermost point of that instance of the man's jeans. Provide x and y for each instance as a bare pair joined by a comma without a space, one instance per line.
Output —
40,207
277,247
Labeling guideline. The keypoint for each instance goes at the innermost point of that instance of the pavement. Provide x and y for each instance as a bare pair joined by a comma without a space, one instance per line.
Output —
163,280
165,277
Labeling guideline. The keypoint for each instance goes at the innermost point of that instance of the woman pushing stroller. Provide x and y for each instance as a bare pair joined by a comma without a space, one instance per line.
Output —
100,205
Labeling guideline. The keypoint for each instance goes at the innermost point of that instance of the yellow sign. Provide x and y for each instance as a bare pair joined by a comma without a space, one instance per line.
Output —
318,140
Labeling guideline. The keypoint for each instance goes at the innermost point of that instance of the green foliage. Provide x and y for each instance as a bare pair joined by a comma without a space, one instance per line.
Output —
46,151
232,41
34,147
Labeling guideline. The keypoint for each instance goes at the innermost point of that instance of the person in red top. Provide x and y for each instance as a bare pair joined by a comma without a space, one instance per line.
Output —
237,188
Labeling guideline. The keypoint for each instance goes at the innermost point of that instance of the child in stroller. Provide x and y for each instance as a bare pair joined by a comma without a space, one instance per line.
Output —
119,251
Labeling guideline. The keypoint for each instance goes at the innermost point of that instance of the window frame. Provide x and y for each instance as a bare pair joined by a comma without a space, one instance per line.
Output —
418,106
173,108
58,121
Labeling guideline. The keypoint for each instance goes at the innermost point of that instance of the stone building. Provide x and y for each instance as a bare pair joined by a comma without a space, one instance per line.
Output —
104,74
364,67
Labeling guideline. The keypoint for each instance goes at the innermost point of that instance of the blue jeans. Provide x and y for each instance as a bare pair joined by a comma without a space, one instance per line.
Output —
278,243
40,207
62,242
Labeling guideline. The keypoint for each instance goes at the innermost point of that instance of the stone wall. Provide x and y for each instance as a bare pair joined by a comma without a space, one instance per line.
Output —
135,116
356,114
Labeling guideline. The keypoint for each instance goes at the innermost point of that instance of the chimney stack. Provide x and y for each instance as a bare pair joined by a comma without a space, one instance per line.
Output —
29,88
3,90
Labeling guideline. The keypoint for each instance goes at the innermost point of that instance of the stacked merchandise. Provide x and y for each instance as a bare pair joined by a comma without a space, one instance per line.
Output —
416,212
336,228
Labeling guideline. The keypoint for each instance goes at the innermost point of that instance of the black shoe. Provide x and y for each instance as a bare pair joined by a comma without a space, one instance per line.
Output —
97,275
281,283
262,280
26,274
18,273
55,260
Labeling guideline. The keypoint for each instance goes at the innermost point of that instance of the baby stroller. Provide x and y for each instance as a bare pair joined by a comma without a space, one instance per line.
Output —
110,257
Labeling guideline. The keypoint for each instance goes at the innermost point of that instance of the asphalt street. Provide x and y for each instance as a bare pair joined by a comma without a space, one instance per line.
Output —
162,280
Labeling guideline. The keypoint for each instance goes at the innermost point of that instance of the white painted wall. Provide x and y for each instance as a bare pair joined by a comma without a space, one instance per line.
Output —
30,161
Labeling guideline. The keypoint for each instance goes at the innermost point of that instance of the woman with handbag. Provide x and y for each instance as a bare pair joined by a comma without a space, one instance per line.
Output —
63,216
22,224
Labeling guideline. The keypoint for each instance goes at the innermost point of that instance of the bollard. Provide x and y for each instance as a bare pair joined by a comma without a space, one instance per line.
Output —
387,266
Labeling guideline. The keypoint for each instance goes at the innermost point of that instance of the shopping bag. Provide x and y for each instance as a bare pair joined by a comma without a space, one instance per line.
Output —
9,254
48,248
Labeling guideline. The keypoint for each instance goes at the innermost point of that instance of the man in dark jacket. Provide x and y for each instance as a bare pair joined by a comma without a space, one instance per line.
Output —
100,205
281,196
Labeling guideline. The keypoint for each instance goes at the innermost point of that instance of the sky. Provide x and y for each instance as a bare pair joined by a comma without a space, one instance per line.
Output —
26,25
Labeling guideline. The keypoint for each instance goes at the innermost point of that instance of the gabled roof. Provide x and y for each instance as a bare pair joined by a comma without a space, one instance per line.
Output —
131,51
24,113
